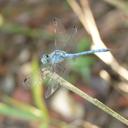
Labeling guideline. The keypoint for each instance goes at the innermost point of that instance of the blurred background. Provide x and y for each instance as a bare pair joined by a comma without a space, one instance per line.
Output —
27,31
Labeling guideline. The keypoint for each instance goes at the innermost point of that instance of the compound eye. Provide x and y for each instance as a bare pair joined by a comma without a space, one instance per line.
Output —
47,55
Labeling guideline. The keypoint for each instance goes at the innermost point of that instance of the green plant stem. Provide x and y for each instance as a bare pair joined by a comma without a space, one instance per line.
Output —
37,89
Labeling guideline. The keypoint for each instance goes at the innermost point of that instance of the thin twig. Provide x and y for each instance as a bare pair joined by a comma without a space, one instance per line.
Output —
92,100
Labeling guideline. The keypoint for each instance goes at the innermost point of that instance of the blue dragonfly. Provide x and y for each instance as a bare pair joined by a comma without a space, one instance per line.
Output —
53,60
58,56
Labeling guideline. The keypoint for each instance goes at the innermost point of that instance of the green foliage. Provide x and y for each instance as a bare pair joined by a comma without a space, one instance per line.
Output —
83,44
17,109
37,88
15,112
82,64
11,28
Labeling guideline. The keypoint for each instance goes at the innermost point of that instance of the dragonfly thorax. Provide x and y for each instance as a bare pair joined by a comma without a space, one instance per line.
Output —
55,57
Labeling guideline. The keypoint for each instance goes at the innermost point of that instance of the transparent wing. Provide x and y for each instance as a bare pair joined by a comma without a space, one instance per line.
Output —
52,85
64,35
51,89
62,70
62,38
28,81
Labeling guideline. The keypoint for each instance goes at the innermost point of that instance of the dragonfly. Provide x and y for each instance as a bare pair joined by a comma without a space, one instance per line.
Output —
53,60
58,56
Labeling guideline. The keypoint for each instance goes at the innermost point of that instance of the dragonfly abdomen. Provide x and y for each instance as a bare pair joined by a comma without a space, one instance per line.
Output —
74,55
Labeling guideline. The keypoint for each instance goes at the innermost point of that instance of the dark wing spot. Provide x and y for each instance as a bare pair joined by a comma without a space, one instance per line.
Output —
25,80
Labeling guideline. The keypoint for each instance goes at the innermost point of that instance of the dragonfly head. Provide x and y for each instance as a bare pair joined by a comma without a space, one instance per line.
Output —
45,59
